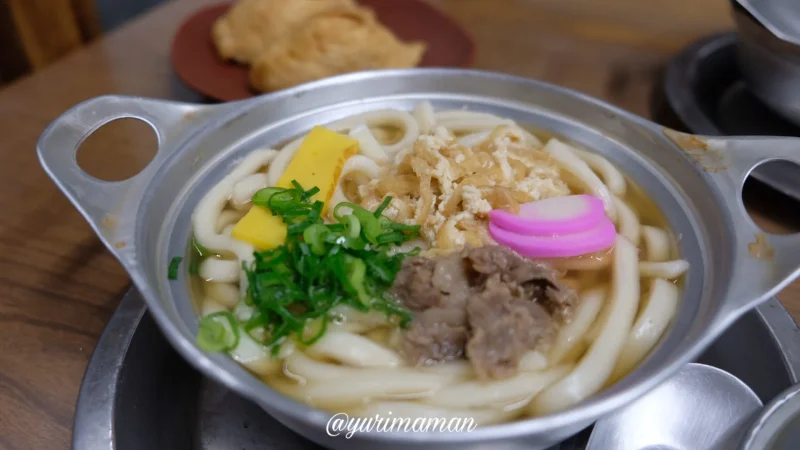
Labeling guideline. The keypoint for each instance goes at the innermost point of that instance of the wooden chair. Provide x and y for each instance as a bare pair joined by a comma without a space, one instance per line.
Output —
34,33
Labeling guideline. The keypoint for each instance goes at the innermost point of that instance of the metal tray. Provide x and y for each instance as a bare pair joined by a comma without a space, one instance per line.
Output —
137,392
704,89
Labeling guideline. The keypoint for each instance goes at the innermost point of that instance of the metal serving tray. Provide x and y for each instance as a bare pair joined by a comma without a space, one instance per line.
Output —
138,393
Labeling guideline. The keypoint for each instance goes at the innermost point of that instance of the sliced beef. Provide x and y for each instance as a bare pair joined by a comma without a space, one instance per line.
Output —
488,304
435,335
538,278
495,259
437,289
432,283
559,300
450,278
413,284
505,323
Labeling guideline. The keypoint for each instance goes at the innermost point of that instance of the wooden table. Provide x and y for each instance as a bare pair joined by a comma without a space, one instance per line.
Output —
58,285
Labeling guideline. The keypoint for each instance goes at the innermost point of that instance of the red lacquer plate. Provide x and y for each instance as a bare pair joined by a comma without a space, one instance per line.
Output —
196,62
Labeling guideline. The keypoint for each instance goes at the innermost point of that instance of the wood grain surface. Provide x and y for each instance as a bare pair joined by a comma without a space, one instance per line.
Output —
49,29
58,285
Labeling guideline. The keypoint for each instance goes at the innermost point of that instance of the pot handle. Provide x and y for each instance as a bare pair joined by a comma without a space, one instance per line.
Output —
763,263
102,202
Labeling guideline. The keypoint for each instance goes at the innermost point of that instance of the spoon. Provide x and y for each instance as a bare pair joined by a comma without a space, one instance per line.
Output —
700,408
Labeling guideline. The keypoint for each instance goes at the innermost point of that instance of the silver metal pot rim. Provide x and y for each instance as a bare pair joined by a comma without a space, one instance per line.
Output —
768,58
180,125
96,407
775,17
773,419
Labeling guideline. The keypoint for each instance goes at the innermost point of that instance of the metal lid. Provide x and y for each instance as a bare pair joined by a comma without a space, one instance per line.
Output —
778,425
781,17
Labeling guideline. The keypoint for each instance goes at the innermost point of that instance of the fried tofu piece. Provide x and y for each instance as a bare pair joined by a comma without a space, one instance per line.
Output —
332,43
251,26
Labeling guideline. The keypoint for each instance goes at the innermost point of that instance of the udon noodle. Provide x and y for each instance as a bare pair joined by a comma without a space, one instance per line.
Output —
444,171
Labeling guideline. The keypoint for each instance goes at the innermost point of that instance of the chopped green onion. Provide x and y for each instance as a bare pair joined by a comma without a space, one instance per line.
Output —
261,198
314,236
174,264
384,204
341,205
296,228
356,269
380,270
352,227
294,211
218,332
370,225
404,227
322,326
283,200
394,236
297,186
353,244
394,309
335,227
292,288
194,266
311,192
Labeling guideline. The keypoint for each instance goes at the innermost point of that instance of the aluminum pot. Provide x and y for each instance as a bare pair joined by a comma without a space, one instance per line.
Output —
696,181
776,428
770,64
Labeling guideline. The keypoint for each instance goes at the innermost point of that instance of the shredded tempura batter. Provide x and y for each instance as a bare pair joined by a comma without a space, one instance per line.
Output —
449,188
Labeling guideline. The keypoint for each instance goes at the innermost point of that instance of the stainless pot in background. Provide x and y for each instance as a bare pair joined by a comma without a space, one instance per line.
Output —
768,51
